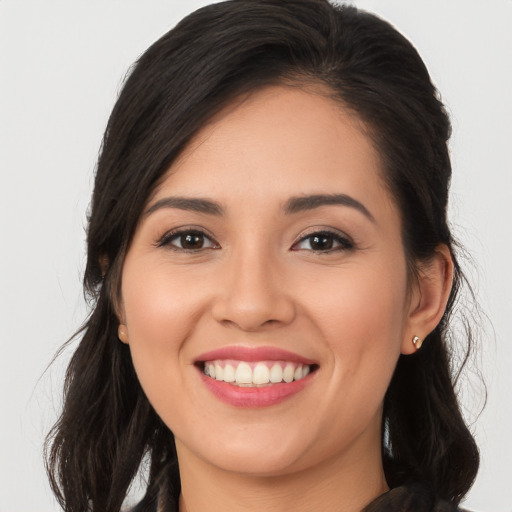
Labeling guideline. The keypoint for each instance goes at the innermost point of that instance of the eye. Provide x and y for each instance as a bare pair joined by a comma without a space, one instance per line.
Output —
188,240
323,241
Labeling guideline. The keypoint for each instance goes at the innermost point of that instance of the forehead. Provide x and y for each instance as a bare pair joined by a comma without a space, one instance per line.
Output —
278,141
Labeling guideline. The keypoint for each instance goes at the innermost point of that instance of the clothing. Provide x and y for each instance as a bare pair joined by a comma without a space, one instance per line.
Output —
410,498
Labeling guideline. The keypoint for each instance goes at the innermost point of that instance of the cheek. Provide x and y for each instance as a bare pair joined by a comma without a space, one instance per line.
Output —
362,323
358,302
160,313
159,304
362,316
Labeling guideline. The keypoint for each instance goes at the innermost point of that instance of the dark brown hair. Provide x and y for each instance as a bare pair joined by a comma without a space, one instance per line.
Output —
211,57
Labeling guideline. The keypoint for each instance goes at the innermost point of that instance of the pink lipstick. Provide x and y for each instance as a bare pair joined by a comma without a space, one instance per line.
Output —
254,377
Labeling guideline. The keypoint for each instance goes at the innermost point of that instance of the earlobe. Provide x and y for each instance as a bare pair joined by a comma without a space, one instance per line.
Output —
417,342
429,298
122,333
122,330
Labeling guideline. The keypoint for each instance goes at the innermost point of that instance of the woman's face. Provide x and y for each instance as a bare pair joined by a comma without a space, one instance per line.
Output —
271,249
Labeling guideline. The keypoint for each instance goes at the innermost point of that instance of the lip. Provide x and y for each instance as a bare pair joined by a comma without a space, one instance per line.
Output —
264,396
254,397
252,354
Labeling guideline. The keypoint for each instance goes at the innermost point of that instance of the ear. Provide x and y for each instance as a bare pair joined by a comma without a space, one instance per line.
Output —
122,330
429,297
122,333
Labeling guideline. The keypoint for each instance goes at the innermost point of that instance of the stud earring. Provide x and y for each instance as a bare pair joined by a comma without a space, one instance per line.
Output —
417,342
122,333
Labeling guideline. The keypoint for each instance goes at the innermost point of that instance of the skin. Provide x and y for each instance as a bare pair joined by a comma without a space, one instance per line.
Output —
257,282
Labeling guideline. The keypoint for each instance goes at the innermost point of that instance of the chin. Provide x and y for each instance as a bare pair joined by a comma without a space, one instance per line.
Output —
268,453
258,464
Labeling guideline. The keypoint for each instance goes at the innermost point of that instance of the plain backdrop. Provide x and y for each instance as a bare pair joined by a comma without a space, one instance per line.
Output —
61,66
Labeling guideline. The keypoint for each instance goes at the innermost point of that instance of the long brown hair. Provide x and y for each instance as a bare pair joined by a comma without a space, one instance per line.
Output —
107,425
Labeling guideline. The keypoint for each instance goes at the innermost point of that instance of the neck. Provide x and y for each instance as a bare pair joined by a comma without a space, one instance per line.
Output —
345,485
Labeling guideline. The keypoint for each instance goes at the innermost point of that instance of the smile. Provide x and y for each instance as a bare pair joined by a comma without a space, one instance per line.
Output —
254,377
255,374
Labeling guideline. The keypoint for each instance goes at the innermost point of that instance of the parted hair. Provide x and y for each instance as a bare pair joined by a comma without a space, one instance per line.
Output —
213,56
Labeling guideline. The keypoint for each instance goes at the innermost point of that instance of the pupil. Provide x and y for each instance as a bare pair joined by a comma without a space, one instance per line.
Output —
321,242
192,241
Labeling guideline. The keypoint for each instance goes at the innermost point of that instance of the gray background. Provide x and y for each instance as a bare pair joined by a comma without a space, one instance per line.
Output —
61,65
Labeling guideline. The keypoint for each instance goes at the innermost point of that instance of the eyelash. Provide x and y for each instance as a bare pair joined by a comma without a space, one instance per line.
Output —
344,243
168,238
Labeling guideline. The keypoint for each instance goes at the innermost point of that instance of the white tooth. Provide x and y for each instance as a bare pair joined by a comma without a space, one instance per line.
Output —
261,374
206,370
276,373
211,370
305,370
243,374
229,373
288,373
219,372
298,373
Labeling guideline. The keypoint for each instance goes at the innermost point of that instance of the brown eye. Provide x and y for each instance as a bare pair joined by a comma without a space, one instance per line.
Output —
189,240
323,241
192,241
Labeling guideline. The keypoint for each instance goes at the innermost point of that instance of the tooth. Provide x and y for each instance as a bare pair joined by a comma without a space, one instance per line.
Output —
206,370
276,373
305,370
261,374
288,373
211,370
229,373
243,374
298,372
219,372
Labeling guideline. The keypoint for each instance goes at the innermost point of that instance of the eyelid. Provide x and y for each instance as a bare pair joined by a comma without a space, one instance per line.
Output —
165,239
346,242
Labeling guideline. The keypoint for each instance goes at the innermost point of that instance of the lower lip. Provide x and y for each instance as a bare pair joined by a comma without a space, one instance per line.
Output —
263,396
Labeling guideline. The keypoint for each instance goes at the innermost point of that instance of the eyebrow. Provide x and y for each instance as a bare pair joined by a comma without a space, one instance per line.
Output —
304,203
293,205
187,203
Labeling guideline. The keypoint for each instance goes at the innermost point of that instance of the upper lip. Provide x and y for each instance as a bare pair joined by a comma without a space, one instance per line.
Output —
252,354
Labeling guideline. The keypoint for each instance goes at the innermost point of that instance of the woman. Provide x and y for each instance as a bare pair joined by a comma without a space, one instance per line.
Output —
272,275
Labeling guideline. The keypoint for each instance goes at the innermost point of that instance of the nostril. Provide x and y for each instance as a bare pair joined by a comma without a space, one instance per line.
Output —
252,305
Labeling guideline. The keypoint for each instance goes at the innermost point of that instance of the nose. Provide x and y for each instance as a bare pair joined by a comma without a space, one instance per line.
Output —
253,295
